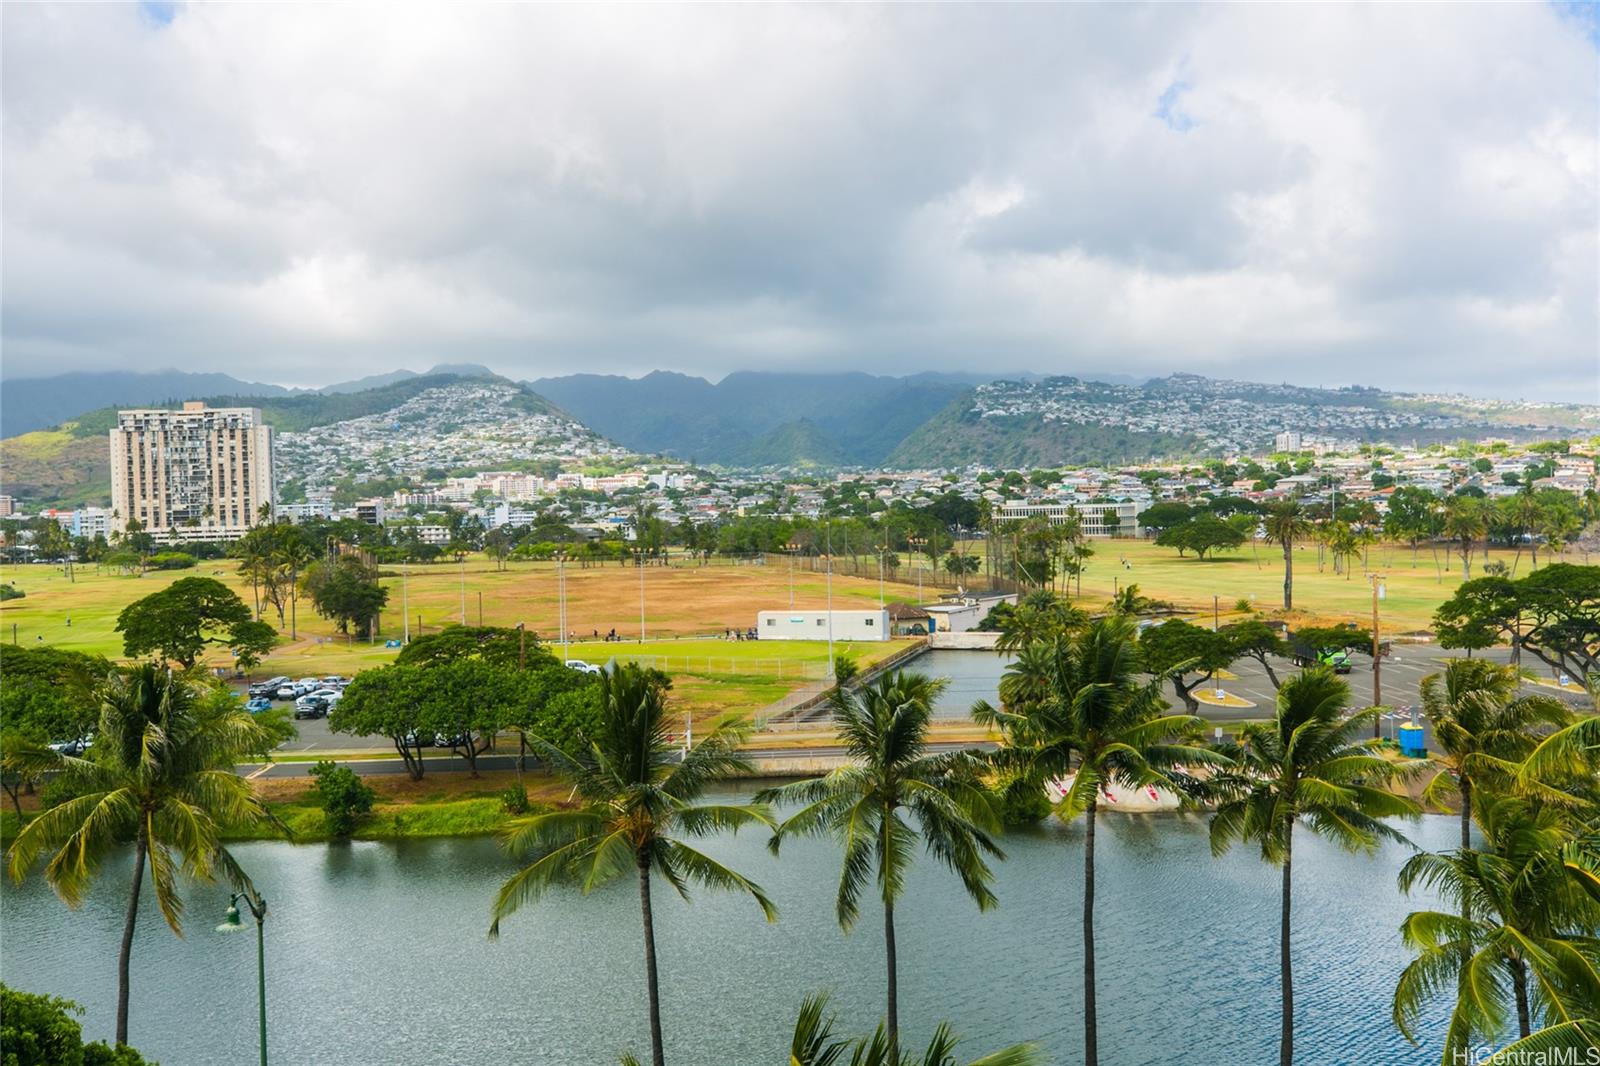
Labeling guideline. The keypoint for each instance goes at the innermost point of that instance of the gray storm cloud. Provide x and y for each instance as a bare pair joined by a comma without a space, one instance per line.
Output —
1403,195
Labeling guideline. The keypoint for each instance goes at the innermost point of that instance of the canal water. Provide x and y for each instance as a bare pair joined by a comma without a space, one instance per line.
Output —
972,676
376,953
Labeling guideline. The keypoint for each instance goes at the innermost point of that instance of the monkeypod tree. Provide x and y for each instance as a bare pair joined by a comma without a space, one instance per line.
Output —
178,623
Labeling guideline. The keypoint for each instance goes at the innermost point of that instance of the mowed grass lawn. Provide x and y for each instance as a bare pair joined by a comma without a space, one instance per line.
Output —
687,609
1413,589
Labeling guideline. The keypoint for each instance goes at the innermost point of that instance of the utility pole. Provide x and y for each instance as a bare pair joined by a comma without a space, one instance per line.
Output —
463,589
480,608
1216,613
522,645
641,595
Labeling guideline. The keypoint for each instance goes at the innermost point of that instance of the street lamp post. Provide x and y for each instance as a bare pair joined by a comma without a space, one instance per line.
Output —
1378,591
231,923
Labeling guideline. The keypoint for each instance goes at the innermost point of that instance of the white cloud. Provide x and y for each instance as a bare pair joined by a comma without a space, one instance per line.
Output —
1396,194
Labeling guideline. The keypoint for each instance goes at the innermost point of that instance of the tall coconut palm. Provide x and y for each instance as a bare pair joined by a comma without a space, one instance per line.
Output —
1082,700
160,776
1479,720
1285,523
1306,767
637,791
890,783
1522,937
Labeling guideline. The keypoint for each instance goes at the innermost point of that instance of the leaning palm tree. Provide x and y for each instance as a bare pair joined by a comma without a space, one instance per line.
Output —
637,791
1082,700
1522,937
1479,721
1285,523
160,776
1305,768
884,728
814,1044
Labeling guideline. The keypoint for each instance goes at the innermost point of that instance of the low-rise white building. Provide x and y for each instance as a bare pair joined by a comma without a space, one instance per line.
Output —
814,625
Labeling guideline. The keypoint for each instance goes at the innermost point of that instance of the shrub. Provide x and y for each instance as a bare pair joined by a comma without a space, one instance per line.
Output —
171,561
11,592
1020,803
845,669
514,800
344,796
43,1031
1243,605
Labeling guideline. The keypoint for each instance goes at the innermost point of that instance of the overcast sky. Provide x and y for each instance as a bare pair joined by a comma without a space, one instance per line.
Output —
1400,195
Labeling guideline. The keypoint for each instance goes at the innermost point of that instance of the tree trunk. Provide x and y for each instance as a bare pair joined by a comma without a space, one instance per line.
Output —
1272,675
1466,813
1288,575
1519,982
1091,1025
893,1002
11,790
657,1054
1285,969
1186,694
126,953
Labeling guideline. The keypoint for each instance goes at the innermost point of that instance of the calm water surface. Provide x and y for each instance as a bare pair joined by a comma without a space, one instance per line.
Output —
376,953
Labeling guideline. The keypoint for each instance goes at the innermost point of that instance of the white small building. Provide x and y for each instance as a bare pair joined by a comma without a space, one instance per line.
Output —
814,625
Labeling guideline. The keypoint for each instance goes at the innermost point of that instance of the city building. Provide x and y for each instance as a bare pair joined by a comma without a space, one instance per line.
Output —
8,506
201,473
1097,519
369,511
814,625
1287,441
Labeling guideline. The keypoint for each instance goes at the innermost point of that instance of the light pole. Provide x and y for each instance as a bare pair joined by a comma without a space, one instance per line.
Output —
829,560
561,598
916,544
792,547
231,923
405,607
1378,591
641,595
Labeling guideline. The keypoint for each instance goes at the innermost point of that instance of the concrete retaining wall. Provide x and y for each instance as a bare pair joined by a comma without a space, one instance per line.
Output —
968,641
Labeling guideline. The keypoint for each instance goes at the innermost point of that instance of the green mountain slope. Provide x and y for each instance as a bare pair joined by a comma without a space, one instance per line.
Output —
957,436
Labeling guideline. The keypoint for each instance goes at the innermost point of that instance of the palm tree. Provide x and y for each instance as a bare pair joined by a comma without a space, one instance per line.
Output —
814,1044
884,727
1464,523
1522,931
1477,716
1304,767
1038,617
160,776
637,792
1083,698
1285,523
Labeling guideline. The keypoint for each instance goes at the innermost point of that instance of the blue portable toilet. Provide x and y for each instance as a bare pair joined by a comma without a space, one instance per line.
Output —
1411,745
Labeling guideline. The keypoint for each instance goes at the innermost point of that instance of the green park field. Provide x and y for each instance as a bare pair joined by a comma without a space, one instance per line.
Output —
688,608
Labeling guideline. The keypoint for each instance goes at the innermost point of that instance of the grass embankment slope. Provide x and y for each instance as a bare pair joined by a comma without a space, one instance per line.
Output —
687,608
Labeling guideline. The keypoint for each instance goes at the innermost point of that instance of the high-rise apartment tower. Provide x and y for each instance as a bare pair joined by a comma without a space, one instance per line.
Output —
201,473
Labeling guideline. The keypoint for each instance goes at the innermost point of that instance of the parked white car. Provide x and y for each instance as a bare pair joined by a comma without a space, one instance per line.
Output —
583,667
